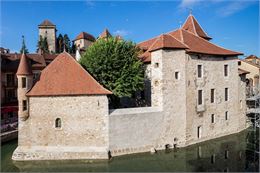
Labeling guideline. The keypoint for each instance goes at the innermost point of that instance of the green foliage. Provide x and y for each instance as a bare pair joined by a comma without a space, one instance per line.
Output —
64,41
59,43
24,49
115,65
43,45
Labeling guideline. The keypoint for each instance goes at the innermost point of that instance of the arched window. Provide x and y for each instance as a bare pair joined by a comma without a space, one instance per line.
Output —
58,123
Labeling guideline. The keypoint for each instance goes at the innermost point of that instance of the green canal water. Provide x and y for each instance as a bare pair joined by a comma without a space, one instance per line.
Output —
234,153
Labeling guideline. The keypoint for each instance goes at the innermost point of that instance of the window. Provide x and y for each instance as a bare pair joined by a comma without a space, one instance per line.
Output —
156,65
199,97
58,123
212,118
199,132
212,95
24,105
177,75
239,63
226,70
199,71
10,79
226,94
23,82
226,115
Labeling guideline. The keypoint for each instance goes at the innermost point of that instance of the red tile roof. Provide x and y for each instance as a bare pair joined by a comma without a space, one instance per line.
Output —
166,41
197,44
46,23
105,34
24,67
86,36
194,27
65,76
252,57
194,41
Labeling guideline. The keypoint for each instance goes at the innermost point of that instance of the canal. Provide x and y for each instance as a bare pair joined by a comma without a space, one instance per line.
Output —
234,153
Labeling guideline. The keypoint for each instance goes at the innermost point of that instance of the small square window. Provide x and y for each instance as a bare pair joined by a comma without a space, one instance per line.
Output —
199,70
226,94
23,82
225,70
212,118
156,65
226,115
177,75
24,105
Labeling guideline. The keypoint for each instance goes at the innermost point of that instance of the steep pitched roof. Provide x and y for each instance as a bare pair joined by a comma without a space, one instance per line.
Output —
46,23
105,34
166,41
24,67
194,27
86,36
197,44
63,77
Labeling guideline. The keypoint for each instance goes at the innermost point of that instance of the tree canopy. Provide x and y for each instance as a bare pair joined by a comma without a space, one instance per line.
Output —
64,41
115,64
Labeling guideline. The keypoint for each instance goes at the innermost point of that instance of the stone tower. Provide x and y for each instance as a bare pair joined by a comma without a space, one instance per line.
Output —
25,81
48,30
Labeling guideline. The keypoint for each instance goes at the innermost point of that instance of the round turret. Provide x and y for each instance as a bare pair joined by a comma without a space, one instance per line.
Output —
25,81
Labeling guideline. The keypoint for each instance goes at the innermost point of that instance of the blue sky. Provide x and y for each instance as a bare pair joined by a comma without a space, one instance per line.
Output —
232,24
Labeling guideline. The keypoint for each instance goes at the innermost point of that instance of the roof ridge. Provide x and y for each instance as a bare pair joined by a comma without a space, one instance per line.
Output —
182,42
87,72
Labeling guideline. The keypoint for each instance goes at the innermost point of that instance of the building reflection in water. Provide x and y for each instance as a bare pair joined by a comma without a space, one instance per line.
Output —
227,154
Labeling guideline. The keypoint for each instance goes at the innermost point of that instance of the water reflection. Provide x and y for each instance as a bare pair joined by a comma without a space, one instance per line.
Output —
228,154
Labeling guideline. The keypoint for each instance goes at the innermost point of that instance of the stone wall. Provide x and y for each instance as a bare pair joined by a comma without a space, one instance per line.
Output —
134,130
82,43
83,133
50,33
213,78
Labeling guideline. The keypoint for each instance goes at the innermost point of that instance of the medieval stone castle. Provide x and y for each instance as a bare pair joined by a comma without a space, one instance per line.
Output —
195,88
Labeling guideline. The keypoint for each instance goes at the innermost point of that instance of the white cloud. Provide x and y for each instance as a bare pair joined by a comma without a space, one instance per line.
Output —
233,7
121,32
90,3
189,3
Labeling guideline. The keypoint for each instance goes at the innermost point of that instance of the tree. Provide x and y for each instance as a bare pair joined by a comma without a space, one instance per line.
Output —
66,42
43,45
24,49
115,64
59,44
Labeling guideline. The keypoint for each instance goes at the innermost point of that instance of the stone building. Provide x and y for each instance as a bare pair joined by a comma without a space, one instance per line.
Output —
196,95
70,105
48,30
9,66
252,65
84,40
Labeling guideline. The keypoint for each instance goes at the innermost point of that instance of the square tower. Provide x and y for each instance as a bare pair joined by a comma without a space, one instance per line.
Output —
48,30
